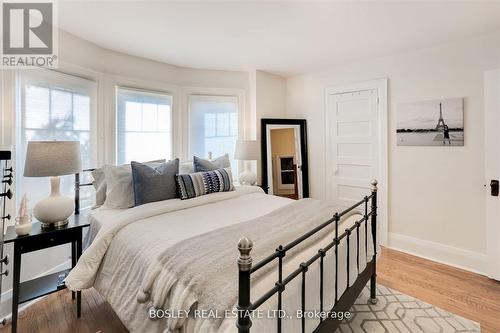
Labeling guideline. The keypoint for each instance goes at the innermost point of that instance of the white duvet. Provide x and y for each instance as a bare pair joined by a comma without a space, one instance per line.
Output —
129,241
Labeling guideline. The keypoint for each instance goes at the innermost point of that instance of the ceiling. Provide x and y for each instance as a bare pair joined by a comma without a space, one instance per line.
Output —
280,37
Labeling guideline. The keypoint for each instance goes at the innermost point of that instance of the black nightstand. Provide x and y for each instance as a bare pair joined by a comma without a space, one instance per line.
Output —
39,239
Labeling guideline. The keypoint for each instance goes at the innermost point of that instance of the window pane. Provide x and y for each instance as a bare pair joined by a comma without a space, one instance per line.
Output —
233,124
164,117
213,126
81,112
144,146
133,116
210,125
144,126
222,124
54,106
61,109
149,117
36,111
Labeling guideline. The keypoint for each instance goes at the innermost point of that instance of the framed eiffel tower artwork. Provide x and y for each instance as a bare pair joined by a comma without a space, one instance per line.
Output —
431,123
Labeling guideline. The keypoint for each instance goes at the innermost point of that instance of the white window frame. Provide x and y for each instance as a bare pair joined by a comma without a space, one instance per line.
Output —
115,81
239,94
96,118
146,91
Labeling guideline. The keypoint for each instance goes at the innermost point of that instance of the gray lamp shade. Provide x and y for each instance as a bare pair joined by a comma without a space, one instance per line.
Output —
246,150
52,158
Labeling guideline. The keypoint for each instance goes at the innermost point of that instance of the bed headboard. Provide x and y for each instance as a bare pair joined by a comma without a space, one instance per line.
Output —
78,185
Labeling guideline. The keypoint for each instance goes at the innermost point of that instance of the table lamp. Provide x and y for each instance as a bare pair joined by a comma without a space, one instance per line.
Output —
53,159
247,150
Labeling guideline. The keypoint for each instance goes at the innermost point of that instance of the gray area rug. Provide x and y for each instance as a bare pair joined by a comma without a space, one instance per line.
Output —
397,312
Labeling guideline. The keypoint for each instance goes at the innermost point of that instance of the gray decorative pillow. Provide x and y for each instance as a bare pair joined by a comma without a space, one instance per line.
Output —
201,164
154,182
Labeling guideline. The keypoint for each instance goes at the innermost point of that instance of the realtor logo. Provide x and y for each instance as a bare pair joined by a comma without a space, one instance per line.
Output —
28,34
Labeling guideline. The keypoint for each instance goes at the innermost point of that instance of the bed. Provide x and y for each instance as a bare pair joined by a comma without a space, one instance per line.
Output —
334,260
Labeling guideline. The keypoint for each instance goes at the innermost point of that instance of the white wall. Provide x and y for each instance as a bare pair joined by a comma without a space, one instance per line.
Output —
436,194
270,97
109,68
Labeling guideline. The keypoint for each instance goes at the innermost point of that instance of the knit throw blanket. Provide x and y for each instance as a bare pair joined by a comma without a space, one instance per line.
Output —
202,271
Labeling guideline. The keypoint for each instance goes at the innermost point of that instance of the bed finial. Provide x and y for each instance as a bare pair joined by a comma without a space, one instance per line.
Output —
245,245
244,265
374,183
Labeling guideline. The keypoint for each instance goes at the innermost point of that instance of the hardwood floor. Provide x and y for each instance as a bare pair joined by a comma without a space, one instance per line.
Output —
467,294
56,313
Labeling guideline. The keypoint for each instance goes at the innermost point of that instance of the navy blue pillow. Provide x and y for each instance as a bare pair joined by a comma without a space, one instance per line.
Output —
154,182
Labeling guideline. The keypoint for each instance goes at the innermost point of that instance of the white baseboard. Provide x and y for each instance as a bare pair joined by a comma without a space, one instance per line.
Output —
465,259
6,297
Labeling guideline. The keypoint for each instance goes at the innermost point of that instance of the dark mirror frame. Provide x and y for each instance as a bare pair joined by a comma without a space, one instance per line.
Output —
303,150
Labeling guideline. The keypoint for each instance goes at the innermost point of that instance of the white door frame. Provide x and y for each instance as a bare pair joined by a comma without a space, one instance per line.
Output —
381,86
492,169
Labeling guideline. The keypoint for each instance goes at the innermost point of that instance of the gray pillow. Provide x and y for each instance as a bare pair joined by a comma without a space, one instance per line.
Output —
203,165
154,182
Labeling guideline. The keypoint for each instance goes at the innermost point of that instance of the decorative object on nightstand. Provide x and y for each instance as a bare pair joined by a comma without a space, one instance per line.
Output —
23,220
247,150
53,159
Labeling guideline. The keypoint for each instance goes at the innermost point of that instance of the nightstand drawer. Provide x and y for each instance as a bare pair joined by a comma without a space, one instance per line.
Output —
46,240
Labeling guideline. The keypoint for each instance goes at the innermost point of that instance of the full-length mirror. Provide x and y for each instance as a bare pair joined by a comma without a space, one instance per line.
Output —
284,157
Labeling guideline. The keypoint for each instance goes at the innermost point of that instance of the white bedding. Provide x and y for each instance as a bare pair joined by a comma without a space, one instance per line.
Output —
157,226
97,217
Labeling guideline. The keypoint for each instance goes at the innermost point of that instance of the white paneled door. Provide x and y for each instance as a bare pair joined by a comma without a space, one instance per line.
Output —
352,145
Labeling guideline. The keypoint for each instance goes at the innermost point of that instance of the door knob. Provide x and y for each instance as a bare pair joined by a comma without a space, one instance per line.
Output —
494,186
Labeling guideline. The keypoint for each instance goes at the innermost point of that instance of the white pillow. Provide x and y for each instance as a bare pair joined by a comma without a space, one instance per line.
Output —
186,167
119,188
99,182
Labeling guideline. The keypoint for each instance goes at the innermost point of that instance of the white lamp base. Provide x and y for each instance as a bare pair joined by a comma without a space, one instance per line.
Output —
54,210
247,177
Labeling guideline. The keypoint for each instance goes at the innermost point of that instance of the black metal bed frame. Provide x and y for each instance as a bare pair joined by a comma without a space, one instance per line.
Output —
78,184
344,302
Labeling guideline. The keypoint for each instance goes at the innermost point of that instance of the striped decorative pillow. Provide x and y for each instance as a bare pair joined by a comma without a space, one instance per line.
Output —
200,183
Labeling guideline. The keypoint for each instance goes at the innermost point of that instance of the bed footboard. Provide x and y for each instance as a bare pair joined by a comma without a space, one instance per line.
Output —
342,303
